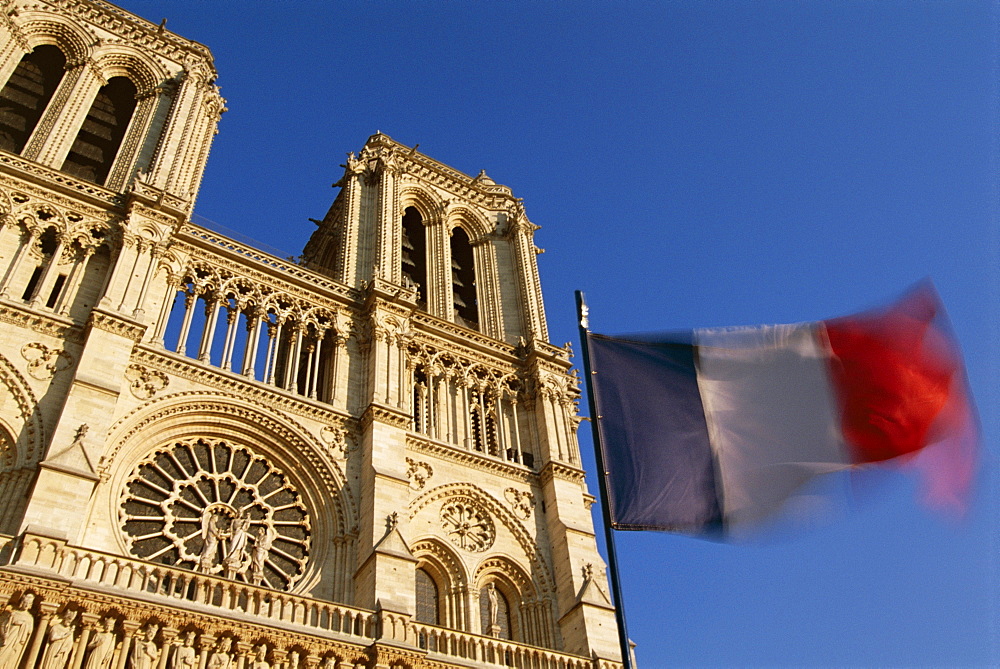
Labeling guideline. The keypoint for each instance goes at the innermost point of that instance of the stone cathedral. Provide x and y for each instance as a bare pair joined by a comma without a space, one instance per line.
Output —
215,458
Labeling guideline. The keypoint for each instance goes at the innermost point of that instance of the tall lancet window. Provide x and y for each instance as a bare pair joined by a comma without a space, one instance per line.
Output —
427,599
415,252
27,94
463,280
93,153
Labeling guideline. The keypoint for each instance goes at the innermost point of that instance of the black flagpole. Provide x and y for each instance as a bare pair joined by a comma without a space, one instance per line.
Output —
602,474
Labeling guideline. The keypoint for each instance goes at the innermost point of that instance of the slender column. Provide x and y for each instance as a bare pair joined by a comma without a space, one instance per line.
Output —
292,365
44,283
339,346
173,284
253,335
36,641
189,300
140,306
208,334
232,320
73,280
168,641
517,430
34,233
140,248
467,416
316,358
501,430
274,334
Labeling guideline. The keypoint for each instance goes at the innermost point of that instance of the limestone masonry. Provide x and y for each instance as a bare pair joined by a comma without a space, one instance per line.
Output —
211,457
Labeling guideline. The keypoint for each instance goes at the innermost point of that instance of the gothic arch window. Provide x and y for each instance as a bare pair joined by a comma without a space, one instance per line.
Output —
463,280
414,255
27,93
96,146
428,599
219,508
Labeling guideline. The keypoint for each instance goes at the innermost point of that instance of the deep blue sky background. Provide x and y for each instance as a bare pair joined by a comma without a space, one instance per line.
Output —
691,163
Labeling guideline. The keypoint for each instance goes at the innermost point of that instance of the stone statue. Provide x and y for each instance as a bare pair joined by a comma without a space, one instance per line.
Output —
210,534
491,592
221,657
185,656
144,650
60,642
258,555
260,657
237,549
101,646
15,631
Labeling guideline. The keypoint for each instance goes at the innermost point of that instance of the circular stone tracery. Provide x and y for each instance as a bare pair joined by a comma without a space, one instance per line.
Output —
218,508
467,527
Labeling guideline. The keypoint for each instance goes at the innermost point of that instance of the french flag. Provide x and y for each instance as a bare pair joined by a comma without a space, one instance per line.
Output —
722,428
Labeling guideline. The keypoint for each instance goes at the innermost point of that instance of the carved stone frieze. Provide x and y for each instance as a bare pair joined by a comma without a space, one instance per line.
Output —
43,324
144,382
470,459
44,361
117,325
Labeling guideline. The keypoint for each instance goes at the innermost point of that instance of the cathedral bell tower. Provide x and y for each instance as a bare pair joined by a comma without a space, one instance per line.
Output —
474,502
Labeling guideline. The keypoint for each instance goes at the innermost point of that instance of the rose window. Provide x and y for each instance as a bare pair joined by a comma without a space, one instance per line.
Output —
467,527
217,508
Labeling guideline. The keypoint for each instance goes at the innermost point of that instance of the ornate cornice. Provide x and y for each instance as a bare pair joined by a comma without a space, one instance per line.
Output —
102,320
44,324
230,382
507,470
558,470
382,414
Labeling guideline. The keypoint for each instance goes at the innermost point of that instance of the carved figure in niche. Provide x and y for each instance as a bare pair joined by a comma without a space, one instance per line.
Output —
15,631
491,592
102,646
60,640
258,555
293,660
185,656
210,534
144,650
329,662
221,657
260,657
237,550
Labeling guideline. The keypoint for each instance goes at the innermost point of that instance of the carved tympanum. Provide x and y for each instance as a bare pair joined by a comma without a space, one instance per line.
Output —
218,508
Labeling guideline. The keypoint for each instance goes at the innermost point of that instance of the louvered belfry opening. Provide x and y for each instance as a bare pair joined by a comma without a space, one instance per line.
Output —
463,280
93,153
27,93
414,255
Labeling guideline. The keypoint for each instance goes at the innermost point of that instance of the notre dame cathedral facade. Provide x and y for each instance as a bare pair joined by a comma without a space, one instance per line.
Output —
212,457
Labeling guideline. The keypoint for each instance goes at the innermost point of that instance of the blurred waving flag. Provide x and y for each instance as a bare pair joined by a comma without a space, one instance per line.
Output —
719,429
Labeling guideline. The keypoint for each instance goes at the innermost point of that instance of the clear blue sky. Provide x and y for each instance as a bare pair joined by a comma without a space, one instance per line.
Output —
691,163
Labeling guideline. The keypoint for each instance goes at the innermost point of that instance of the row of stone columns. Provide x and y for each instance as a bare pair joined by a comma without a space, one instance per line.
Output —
300,346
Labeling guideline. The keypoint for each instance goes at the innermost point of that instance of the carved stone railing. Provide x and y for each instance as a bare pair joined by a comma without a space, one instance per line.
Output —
181,585
34,553
477,649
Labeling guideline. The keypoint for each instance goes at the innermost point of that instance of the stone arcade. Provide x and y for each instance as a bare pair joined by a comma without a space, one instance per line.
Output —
211,457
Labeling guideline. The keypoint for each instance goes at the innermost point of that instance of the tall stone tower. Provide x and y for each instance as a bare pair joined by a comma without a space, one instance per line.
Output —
366,458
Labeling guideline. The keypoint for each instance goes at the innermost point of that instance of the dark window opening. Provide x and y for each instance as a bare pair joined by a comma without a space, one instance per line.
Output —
414,254
56,289
26,95
463,280
427,599
29,290
95,148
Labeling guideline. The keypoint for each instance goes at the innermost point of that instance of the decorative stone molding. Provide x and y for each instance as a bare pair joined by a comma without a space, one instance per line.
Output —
418,473
117,325
467,525
144,383
521,502
507,470
44,362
